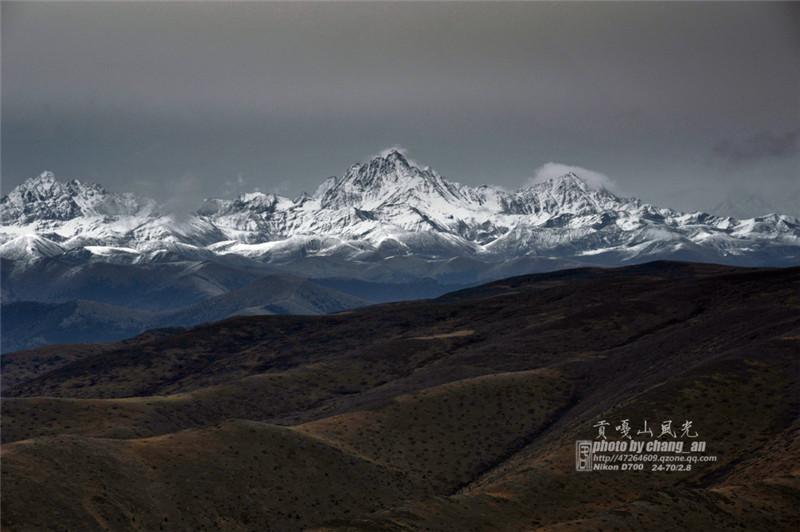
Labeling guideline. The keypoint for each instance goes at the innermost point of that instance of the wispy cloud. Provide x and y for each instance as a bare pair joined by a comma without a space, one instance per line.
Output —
761,145
234,186
184,194
280,189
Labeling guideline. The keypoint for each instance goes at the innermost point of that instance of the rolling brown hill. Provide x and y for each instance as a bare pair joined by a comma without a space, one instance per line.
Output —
460,413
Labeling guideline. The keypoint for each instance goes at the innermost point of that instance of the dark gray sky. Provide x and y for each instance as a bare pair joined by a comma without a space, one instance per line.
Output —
681,104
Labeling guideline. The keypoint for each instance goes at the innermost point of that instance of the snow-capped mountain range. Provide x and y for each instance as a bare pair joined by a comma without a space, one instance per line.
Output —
382,209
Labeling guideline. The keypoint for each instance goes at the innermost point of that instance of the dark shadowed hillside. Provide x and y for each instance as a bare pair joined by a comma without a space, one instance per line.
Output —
30,324
460,413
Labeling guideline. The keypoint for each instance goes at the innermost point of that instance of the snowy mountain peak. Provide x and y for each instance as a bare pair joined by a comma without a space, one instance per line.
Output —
40,197
393,155
44,198
387,206
43,185
572,177
575,181
571,180
567,194
387,162
45,177
385,179
573,184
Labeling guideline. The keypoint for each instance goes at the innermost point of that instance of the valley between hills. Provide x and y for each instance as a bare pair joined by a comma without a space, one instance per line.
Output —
449,414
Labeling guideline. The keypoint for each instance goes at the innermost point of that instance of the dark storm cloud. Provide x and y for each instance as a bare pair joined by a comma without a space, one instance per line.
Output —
190,99
760,145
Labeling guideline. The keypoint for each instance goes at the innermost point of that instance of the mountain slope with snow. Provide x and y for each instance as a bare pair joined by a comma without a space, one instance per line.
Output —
376,211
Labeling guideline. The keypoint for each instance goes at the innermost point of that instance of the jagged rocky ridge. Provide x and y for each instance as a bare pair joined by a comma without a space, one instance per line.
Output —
383,209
